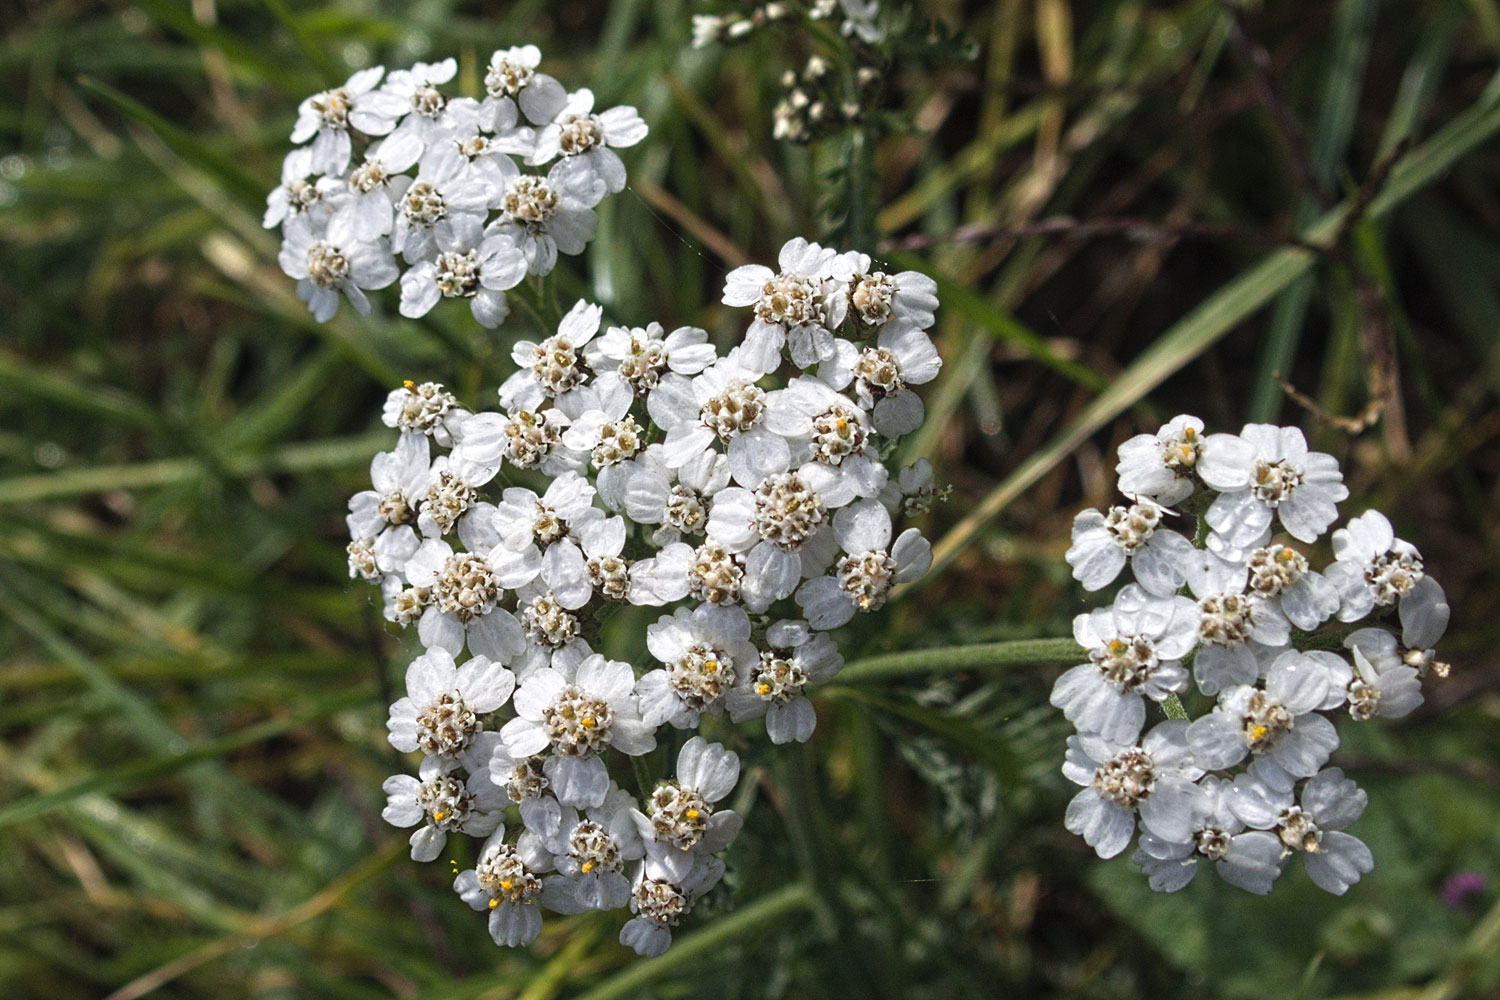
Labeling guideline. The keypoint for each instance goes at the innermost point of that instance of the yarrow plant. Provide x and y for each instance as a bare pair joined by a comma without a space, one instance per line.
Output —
458,197
1228,614
745,494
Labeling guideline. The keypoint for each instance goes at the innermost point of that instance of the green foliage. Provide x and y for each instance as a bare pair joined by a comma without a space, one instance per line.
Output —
192,705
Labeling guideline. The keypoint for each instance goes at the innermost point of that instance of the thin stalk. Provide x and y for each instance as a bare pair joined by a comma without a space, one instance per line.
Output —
725,931
1016,652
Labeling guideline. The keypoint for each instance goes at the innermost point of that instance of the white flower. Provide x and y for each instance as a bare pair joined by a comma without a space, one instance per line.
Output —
554,367
883,375
426,409
590,853
1249,859
831,440
1280,573
450,497
510,80
464,594
913,491
442,804
776,686
465,271
412,96
779,527
864,576
1383,683
524,521
439,209
707,651
859,20
441,713
299,190
1233,624
375,184
478,159
1103,543
677,499
1135,647
325,118
801,306
642,355
605,431
723,403
680,823
577,709
334,261
546,216
664,577
659,902
1372,568
386,513
1279,720
583,139
1160,466
525,783
877,299
1266,470
526,439
1329,802
1154,779
506,882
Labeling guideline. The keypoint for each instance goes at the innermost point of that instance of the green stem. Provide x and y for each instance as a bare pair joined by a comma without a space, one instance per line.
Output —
1016,652
1172,705
725,931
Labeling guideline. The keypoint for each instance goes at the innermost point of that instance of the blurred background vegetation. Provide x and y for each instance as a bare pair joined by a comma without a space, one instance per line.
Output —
1136,209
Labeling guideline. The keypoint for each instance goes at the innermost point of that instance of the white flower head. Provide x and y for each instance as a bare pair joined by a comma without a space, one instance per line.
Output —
506,882
681,822
776,686
512,83
882,376
1233,624
576,710
1249,859
442,713
800,306
1161,466
590,852
1120,780
412,102
336,261
1135,649
463,594
870,566
1104,542
707,652
442,803
326,118
1372,567
545,216
587,142
425,409
659,902
1267,471
554,367
1279,720
876,299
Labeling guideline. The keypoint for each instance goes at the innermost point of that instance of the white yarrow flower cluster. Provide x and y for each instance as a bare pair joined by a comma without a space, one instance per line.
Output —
1227,615
743,494
461,198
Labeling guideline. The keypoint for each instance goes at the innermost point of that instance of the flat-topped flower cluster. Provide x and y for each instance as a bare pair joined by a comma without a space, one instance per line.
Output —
399,178
746,495
1238,615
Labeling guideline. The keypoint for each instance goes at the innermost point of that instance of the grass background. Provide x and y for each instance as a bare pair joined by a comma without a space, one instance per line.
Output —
1135,209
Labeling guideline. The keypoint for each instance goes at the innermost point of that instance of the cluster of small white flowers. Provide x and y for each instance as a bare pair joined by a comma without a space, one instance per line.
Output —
1238,613
746,495
397,172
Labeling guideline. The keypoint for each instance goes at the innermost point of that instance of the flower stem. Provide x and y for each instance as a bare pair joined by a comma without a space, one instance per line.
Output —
1016,652
1172,705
